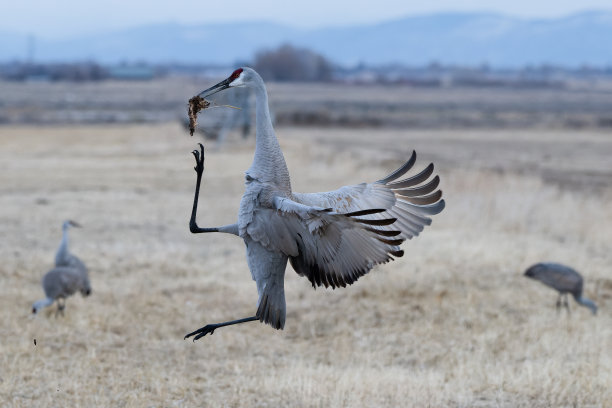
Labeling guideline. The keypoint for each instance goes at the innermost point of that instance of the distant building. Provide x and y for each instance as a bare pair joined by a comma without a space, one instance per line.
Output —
127,72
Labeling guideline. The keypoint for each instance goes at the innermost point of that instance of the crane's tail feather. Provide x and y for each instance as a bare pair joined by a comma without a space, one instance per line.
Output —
271,313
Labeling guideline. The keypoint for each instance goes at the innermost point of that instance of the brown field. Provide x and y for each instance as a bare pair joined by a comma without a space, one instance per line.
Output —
452,323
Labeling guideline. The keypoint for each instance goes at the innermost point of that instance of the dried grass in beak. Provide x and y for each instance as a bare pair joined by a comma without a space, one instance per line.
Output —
196,104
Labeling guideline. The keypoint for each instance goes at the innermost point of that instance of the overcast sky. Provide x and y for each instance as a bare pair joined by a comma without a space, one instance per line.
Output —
60,18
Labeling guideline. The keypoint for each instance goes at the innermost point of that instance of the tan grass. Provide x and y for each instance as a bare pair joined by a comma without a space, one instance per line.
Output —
453,323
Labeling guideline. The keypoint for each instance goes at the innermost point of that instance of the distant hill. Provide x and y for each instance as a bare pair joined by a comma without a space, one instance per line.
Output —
448,38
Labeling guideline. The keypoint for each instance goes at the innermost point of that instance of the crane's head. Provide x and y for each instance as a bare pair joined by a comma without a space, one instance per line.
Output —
534,270
240,77
69,223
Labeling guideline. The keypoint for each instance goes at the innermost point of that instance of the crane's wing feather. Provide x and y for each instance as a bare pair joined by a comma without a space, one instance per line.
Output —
559,277
410,201
333,238
330,249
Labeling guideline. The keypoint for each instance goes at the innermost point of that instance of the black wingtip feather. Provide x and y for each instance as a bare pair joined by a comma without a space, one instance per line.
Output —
392,242
365,212
414,180
421,190
401,171
387,221
383,233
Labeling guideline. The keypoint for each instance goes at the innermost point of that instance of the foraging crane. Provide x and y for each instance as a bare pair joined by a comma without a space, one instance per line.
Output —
60,283
332,238
564,280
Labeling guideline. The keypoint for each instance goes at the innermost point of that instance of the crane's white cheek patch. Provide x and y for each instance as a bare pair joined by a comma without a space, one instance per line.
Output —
237,82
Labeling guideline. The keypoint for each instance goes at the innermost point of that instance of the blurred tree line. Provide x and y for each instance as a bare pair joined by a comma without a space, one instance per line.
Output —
288,63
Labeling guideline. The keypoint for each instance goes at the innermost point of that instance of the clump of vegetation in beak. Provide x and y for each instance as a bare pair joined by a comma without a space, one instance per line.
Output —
196,104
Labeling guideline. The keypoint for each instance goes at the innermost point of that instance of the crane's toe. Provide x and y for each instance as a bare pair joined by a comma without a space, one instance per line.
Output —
199,157
201,332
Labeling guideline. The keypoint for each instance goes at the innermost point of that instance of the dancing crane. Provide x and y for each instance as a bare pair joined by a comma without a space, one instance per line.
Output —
332,238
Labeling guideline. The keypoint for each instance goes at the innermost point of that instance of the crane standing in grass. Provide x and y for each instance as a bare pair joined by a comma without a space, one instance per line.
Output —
564,280
332,238
69,275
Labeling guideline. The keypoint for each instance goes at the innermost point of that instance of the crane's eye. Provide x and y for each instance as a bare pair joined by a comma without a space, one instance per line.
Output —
235,74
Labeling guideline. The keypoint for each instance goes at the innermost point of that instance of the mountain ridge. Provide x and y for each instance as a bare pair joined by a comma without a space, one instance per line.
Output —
447,38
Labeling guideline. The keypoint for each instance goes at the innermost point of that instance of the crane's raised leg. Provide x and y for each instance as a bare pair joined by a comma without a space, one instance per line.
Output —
199,168
210,328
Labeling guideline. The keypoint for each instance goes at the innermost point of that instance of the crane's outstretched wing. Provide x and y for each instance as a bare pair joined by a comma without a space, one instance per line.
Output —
410,201
336,237
330,249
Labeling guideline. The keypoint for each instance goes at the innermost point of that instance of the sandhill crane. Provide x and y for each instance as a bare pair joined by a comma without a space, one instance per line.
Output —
64,257
332,238
58,284
564,280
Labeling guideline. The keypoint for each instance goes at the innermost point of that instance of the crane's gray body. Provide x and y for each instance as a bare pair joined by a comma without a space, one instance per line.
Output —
268,177
332,238
563,279
60,283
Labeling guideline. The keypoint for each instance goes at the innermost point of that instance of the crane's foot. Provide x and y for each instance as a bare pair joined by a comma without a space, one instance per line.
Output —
199,157
203,331
60,309
210,328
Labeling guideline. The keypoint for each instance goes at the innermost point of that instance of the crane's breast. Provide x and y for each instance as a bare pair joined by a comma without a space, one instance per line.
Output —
246,212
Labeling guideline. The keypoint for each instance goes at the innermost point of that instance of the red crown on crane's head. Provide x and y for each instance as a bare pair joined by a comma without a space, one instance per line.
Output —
235,74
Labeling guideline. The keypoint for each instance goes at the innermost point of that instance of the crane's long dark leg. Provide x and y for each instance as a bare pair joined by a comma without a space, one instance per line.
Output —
559,302
566,304
199,168
210,328
60,307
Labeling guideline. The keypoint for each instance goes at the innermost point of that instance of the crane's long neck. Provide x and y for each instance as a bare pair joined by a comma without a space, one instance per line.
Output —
40,304
62,251
588,303
269,163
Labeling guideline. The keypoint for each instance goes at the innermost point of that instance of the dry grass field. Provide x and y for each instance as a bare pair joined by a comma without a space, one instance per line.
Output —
452,323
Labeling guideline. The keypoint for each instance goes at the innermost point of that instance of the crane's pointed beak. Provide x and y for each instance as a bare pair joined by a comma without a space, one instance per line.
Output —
215,88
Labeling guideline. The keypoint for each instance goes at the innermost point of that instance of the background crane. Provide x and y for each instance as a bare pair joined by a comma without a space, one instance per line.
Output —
332,238
564,280
69,275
